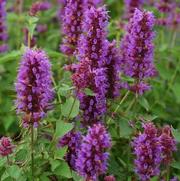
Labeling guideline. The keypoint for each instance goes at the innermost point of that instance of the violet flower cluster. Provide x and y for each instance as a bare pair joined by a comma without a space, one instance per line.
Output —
130,6
92,52
34,87
137,50
6,146
165,6
168,144
147,149
92,156
38,7
3,27
73,141
153,149
71,23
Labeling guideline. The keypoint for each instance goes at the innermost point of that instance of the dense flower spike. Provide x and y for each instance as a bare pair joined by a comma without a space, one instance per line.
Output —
71,24
73,140
168,144
92,156
109,178
130,6
39,6
3,27
91,3
6,146
93,48
165,6
113,71
147,149
34,86
137,49
174,179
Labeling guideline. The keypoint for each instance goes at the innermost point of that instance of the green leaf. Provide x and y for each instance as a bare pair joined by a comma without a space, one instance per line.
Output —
89,92
63,170
21,155
155,179
176,91
144,103
54,164
14,171
76,177
63,128
59,153
71,108
125,129
176,165
176,134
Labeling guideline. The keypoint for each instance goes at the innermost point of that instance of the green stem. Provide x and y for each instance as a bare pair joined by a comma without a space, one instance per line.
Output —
173,39
71,109
131,104
32,152
122,100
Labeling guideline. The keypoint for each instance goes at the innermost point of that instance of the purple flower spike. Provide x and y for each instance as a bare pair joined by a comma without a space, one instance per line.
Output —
91,3
73,141
71,23
168,144
3,28
130,6
34,87
92,156
147,149
6,146
113,71
137,50
174,179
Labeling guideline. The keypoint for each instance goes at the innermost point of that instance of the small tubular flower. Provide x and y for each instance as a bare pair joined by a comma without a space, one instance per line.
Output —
147,149
34,86
165,6
3,27
73,141
71,25
92,156
137,50
6,146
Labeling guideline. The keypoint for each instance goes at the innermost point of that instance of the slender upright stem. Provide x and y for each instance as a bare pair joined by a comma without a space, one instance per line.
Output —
122,100
32,152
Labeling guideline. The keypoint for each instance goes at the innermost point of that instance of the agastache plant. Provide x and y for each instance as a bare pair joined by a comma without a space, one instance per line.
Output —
71,25
34,87
3,27
93,156
137,50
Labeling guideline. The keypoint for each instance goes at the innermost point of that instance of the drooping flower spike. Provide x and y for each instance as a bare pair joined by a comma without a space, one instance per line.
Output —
93,156
3,27
34,87
137,50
